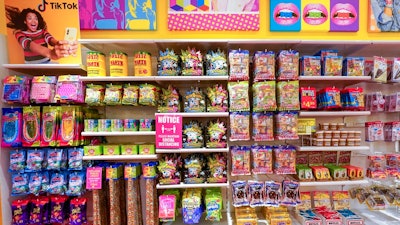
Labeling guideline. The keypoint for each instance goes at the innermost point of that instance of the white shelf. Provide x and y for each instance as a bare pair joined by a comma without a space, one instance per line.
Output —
200,114
119,133
183,185
332,148
191,78
115,79
334,78
121,157
50,69
333,183
154,78
192,150
333,113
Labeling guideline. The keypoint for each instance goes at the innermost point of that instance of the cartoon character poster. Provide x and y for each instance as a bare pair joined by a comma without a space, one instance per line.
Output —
384,15
344,15
214,15
37,31
117,14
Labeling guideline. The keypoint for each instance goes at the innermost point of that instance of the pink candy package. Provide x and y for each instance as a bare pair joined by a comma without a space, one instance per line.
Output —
43,89
70,89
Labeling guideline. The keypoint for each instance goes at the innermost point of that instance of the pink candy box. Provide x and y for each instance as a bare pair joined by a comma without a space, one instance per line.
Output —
43,89
69,89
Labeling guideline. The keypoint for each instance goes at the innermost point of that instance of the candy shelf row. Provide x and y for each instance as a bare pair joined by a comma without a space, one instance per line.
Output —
118,133
183,185
121,157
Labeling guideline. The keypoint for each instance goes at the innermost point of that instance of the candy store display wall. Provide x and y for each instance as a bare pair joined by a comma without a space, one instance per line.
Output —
272,131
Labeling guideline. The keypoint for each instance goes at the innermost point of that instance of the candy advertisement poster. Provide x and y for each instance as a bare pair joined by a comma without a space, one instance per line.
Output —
53,19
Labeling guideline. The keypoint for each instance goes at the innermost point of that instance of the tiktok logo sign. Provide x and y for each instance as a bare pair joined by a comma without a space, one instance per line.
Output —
57,5
168,131
42,6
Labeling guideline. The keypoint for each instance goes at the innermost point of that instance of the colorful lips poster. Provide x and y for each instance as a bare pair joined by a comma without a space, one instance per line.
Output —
285,15
315,15
344,15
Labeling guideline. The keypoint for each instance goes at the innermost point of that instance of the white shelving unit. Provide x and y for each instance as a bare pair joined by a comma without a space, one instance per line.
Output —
333,183
335,78
333,113
119,133
202,114
332,148
116,79
154,78
183,185
121,157
51,69
192,150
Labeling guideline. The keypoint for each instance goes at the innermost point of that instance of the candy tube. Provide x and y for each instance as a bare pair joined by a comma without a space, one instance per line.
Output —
134,215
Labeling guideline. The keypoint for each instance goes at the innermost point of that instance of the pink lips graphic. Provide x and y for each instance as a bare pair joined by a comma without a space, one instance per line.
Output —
343,14
286,14
315,14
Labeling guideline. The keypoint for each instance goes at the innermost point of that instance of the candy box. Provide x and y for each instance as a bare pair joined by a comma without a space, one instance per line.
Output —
146,149
246,216
379,72
111,150
396,70
321,173
146,124
306,203
93,150
310,66
353,66
354,172
129,149
16,89
376,202
43,89
340,200
332,66
350,218
308,217
11,127
329,216
337,172
304,173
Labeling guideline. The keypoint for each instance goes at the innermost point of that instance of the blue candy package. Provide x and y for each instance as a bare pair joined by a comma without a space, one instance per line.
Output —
75,159
11,127
54,159
20,184
58,184
35,183
76,184
34,160
17,160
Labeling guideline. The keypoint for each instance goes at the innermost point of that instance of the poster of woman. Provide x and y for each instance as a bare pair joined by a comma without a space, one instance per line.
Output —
36,32
384,16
